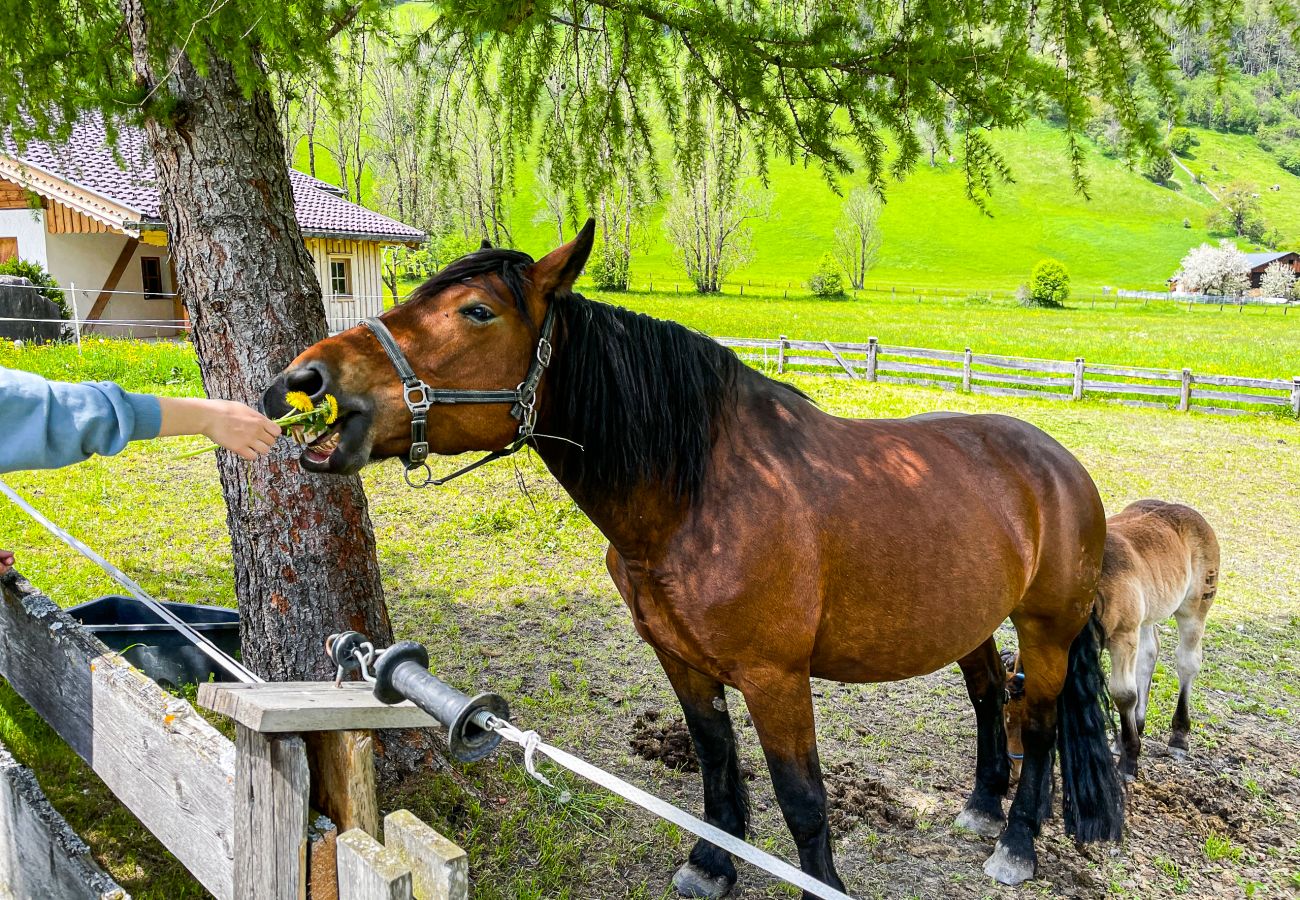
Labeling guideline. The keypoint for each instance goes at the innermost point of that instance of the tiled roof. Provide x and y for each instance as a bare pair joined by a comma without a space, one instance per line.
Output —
125,175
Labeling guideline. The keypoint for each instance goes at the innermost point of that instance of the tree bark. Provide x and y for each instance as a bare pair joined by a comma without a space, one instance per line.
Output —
303,546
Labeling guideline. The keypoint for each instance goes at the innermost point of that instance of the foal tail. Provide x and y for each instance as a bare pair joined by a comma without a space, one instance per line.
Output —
1092,799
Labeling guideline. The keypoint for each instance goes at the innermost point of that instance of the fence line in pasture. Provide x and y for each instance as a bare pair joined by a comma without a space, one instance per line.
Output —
1014,376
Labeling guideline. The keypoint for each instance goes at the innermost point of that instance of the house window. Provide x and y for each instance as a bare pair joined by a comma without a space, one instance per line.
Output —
341,278
8,249
151,276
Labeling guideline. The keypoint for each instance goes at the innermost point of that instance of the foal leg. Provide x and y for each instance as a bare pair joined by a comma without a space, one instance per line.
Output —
1045,657
781,706
1191,629
710,871
1148,651
1123,647
986,685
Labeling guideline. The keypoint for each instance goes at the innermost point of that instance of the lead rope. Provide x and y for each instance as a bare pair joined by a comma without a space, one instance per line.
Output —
215,653
532,744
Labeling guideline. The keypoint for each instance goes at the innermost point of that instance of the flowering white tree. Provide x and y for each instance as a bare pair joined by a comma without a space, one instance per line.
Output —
1223,270
1278,281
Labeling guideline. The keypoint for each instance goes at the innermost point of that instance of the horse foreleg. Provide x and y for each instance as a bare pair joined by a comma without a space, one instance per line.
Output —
781,706
1123,648
1191,629
1044,657
986,685
710,871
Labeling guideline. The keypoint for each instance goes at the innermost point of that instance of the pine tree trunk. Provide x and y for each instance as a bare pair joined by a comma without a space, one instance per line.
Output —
303,546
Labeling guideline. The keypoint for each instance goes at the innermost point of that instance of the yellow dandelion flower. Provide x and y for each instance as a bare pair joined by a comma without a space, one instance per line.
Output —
299,401
331,409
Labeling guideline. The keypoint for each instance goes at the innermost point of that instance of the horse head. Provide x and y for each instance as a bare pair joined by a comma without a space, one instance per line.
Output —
1013,710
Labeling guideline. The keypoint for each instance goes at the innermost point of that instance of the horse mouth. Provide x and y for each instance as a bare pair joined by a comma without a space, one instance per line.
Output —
331,450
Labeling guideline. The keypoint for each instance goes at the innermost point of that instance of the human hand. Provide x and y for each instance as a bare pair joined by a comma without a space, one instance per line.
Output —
240,429
6,561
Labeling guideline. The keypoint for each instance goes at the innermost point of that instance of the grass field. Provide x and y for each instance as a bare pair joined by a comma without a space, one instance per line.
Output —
510,594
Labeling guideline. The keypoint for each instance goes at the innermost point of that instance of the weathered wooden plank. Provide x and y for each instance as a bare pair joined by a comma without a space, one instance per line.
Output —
1076,387
1185,391
370,871
172,769
1016,392
919,353
782,346
309,706
873,359
1026,365
757,343
342,765
439,868
889,365
1233,397
1131,372
1268,384
1150,390
840,359
40,854
270,819
966,371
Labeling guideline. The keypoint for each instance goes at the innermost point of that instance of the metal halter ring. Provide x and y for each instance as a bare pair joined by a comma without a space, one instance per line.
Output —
428,475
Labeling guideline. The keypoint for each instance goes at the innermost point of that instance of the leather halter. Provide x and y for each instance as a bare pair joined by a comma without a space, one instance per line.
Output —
419,396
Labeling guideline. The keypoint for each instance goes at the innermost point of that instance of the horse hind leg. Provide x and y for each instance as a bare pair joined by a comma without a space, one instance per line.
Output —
710,871
986,685
1124,691
1191,629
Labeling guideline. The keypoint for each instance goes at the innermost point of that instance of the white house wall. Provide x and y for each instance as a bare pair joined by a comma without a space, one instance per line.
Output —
367,279
28,225
86,260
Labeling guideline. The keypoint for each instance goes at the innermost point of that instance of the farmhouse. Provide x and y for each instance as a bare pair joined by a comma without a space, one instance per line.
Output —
90,215
1258,262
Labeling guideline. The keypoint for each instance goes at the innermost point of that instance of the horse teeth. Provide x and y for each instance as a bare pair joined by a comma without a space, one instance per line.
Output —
297,432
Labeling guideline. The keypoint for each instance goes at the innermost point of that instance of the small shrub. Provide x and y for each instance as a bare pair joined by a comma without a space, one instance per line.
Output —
827,281
36,275
1159,167
1187,223
609,270
1182,140
1049,284
1288,157
1022,295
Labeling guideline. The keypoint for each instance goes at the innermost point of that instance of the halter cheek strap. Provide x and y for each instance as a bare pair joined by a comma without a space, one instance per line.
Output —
420,396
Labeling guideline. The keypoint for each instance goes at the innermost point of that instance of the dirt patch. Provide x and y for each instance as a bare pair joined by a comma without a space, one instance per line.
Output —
665,741
857,797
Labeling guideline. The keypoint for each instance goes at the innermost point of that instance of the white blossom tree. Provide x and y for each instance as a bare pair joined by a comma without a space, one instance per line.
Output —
1279,281
1222,271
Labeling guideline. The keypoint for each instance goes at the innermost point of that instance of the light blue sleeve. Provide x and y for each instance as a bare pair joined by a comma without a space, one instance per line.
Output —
48,424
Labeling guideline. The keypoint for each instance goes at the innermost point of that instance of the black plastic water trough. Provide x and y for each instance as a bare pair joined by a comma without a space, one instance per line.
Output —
155,647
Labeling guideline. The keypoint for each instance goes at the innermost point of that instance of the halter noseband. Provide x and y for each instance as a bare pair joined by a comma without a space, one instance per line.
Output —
419,396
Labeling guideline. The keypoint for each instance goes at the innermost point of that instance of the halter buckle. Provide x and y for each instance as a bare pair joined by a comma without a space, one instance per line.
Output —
544,351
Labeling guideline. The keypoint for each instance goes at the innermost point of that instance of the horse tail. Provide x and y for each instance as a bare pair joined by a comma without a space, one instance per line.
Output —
1092,797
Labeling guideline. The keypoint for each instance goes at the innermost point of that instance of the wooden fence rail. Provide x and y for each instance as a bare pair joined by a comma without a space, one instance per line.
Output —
984,373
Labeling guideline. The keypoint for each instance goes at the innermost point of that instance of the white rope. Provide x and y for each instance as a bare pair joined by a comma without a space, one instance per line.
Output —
532,743
233,666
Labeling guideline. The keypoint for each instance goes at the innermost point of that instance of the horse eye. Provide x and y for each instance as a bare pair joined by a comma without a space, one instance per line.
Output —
478,312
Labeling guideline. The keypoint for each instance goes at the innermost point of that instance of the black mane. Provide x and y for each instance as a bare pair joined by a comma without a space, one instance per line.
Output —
508,265
646,399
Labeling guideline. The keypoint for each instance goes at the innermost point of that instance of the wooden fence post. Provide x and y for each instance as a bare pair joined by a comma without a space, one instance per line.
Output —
965,371
270,828
342,765
873,352
1077,392
1295,395
439,868
780,355
370,871
1185,394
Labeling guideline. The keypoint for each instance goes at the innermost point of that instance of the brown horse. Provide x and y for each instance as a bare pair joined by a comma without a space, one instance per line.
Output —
758,541
1161,561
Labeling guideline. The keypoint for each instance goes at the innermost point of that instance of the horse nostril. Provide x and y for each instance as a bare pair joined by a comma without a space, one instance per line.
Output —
309,379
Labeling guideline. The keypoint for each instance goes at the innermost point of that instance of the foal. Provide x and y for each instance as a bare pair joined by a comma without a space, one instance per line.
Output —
1161,560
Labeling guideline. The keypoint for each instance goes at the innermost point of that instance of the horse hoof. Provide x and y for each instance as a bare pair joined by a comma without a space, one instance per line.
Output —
1128,777
980,823
692,881
1005,868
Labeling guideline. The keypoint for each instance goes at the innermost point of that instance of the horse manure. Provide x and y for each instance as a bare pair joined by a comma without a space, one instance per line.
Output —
668,743
856,798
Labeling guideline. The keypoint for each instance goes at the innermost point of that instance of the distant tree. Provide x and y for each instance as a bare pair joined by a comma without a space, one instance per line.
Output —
1159,167
346,116
1239,214
1181,141
1288,157
708,216
1222,271
827,280
553,201
1279,281
858,236
1049,284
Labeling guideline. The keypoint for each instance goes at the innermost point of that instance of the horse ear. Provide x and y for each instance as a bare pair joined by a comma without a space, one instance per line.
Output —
558,269
486,245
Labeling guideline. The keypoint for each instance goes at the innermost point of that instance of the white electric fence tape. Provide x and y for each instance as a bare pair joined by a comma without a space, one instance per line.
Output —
233,666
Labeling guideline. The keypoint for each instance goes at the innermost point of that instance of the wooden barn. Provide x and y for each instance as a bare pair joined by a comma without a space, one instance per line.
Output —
90,216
